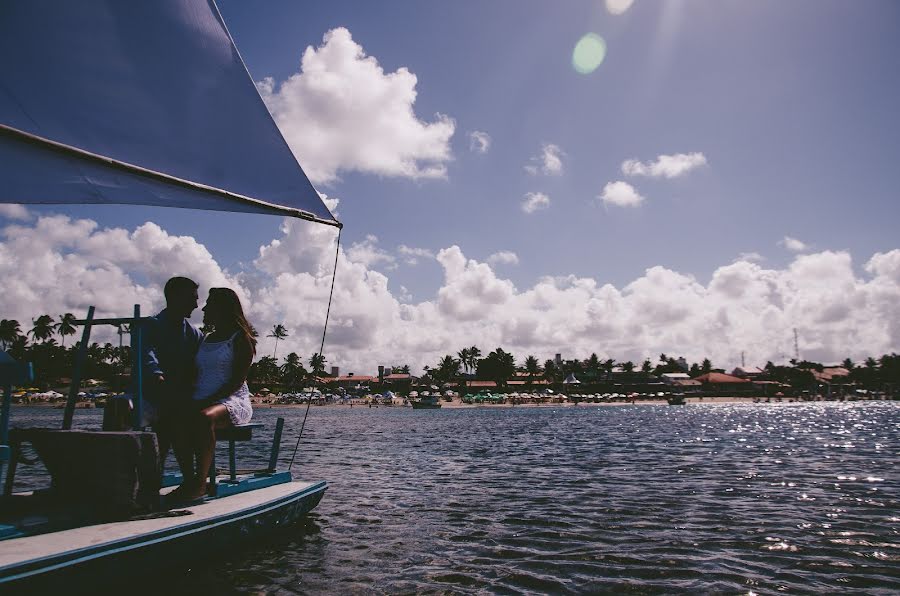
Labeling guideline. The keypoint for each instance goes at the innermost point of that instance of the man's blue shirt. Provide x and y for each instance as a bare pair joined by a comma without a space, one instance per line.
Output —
171,345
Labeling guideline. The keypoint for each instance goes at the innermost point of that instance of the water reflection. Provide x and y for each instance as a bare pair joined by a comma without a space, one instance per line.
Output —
797,498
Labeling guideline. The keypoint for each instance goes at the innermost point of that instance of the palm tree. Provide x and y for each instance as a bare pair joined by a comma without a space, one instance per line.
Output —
42,328
592,365
10,331
464,358
65,326
448,368
317,363
608,367
278,332
474,355
550,371
532,367
293,371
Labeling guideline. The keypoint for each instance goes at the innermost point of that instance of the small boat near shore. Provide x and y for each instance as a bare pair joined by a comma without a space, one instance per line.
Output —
426,402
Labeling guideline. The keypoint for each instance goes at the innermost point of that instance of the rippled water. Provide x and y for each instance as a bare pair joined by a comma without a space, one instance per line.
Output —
626,499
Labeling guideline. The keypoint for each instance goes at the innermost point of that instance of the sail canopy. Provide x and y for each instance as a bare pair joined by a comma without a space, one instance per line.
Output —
146,103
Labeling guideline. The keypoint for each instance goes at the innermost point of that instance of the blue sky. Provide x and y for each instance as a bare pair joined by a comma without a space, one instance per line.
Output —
793,104
788,109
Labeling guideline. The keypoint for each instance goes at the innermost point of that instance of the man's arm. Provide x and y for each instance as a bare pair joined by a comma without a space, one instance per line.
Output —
150,344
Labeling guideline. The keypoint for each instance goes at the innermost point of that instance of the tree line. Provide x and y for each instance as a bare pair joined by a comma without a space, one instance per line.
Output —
53,360
500,366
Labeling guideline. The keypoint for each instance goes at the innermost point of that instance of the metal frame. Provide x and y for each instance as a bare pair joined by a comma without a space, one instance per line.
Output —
137,363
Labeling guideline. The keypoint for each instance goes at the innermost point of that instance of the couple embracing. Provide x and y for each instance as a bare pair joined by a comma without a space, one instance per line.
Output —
194,383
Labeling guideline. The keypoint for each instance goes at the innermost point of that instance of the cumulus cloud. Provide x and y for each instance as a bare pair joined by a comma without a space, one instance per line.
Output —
369,254
620,194
665,166
343,112
503,257
792,244
535,201
479,142
56,264
411,255
549,162
14,211
750,257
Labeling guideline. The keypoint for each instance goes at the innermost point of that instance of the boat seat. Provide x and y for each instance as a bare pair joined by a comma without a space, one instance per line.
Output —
242,432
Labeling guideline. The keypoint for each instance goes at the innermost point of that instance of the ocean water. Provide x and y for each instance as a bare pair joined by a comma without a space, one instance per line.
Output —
733,499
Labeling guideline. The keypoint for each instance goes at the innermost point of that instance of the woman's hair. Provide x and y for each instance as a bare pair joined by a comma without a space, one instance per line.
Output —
232,311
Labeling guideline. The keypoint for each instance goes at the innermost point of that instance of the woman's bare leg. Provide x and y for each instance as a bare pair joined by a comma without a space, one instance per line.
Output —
211,418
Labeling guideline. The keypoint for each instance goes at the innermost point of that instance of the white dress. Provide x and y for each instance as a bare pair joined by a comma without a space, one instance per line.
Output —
214,362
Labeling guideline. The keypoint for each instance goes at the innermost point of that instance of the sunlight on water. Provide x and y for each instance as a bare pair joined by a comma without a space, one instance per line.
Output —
589,53
700,499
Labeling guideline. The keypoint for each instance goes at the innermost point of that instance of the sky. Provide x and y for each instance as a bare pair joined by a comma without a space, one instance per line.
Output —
687,177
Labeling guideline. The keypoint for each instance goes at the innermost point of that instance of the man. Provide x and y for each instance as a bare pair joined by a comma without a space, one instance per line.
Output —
170,347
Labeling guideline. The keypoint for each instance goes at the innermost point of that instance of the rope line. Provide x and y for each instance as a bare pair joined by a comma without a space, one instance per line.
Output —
337,249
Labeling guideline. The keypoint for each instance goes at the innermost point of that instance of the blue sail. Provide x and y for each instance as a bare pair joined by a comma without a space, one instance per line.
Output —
146,103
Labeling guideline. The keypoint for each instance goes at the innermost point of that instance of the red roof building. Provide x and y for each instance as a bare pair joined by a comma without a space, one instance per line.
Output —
720,379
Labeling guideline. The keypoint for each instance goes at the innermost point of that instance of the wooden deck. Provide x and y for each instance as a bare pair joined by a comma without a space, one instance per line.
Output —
222,520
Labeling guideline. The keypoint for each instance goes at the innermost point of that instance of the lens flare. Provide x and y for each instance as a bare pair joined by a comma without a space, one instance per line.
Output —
589,53
618,6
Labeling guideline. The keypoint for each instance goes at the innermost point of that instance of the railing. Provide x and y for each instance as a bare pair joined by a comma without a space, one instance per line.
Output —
137,362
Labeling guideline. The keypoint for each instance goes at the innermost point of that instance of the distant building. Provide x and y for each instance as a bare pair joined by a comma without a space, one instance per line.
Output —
672,378
397,382
715,382
750,372
351,381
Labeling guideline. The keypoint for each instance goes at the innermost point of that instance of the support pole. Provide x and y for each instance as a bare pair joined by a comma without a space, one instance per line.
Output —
137,367
80,358
276,445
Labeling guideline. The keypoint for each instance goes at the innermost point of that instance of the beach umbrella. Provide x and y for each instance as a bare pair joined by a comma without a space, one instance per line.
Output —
571,380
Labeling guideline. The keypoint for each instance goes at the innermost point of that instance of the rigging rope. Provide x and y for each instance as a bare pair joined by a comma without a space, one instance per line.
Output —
337,249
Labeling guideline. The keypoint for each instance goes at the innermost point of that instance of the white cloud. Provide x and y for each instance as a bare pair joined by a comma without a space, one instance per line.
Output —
535,201
549,162
792,244
342,112
369,254
57,264
412,255
479,141
750,257
618,7
620,194
665,166
503,257
14,211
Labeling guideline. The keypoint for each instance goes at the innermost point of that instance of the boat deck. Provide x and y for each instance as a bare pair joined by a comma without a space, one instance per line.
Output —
239,514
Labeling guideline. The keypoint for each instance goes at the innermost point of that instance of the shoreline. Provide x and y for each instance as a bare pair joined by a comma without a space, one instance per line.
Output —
457,403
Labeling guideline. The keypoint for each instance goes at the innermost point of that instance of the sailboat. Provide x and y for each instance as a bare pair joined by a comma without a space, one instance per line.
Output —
141,103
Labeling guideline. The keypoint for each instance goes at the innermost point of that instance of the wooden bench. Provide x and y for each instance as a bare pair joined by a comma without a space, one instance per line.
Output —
243,432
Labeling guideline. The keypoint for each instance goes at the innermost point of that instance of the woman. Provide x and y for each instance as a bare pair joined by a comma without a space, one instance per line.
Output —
221,397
